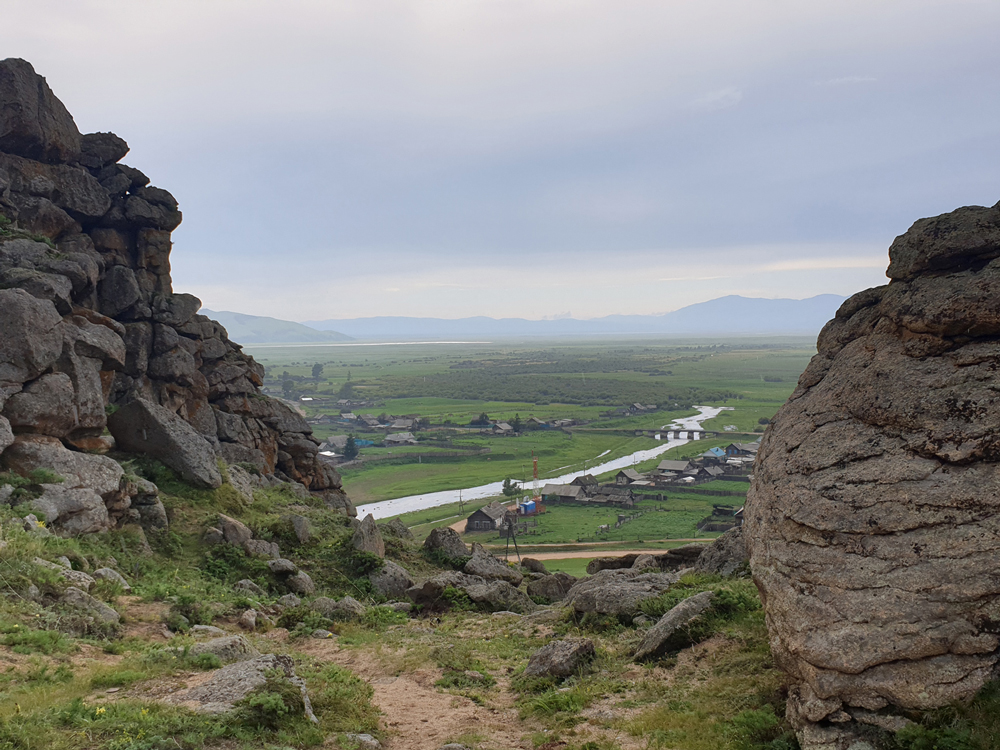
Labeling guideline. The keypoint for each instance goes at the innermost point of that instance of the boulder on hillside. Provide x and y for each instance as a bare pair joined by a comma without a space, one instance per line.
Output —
33,336
662,637
144,427
726,555
229,648
446,543
108,574
233,531
347,608
392,580
397,529
33,122
560,658
97,473
873,514
499,596
85,604
552,587
485,565
301,583
71,511
225,687
679,558
617,592
367,537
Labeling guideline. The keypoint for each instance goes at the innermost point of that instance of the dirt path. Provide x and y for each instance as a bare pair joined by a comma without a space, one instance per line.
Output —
418,716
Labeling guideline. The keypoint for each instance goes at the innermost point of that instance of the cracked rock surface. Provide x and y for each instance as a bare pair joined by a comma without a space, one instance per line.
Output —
873,519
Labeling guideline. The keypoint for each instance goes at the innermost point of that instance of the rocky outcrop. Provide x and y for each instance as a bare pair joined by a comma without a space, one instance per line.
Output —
552,588
91,322
725,556
368,538
873,518
617,592
446,543
391,580
662,636
485,565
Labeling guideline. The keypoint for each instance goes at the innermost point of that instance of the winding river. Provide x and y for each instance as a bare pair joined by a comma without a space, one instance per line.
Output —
389,508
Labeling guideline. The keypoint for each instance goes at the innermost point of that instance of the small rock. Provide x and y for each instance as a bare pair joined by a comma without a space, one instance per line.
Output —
248,620
282,566
261,548
213,536
347,608
485,565
107,574
207,630
320,633
84,602
368,538
246,586
560,658
658,638
533,565
65,562
32,525
228,649
301,583
363,741
289,600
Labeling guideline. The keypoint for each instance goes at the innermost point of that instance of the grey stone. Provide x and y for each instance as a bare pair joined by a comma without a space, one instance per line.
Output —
659,638
560,658
118,291
261,548
46,406
6,438
207,630
152,516
726,555
552,587
363,741
107,574
33,122
347,608
534,566
301,528
645,561
617,592
446,542
247,586
367,537
144,427
397,529
233,682
71,511
301,583
100,149
229,648
248,620
282,566
33,336
83,602
289,600
233,531
485,565
392,580
33,525
321,634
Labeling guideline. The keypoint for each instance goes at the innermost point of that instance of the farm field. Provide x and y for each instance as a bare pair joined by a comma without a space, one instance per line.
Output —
449,385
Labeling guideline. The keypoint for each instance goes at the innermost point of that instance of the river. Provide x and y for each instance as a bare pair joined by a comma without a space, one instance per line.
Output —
389,508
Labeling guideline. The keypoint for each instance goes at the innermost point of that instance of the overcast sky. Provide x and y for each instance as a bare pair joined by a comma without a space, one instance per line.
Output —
531,158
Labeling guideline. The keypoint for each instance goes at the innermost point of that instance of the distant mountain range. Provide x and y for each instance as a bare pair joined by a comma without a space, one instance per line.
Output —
732,315
254,329
725,316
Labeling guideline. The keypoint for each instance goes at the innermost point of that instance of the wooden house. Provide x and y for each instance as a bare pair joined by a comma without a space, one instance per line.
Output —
487,518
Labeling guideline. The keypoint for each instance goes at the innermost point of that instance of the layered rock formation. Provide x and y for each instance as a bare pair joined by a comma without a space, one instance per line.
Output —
91,323
873,520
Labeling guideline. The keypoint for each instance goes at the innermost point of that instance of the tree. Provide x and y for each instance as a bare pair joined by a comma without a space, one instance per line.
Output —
510,488
763,420
350,448
483,419
287,387
318,370
516,423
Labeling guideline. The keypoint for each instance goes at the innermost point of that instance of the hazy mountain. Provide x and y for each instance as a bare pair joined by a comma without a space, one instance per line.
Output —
255,329
734,315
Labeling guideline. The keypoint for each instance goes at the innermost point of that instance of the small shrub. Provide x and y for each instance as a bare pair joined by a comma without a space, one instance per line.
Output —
273,705
26,641
119,678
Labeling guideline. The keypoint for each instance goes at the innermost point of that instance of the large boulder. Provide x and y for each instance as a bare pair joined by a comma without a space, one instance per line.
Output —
33,122
560,658
446,542
367,537
617,592
144,427
611,563
347,608
667,633
874,509
71,511
83,603
32,336
398,529
228,648
485,565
